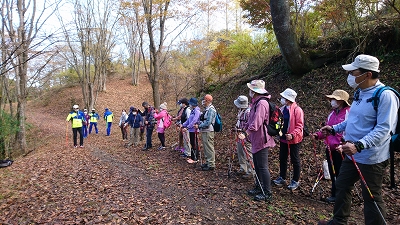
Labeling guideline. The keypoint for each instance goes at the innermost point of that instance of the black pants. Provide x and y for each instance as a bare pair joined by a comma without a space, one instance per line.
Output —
161,136
75,132
337,163
294,160
194,155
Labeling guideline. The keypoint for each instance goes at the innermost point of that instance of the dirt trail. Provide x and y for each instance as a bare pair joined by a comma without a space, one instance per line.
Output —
106,183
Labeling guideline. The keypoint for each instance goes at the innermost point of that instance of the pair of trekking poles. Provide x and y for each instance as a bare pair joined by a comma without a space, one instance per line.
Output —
241,136
359,173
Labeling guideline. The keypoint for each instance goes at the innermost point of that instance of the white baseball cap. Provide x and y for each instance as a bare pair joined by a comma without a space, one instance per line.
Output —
75,107
363,61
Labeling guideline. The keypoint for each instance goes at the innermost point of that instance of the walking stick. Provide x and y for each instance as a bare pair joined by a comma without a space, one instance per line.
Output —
231,156
366,186
330,158
196,133
251,164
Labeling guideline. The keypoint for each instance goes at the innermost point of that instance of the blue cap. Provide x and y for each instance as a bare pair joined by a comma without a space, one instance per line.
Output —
106,109
193,101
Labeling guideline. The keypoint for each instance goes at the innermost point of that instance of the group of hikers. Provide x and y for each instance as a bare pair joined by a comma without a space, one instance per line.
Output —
357,137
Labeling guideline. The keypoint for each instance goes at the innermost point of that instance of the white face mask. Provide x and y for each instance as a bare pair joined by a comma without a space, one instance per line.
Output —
134,113
181,105
351,81
203,102
334,104
251,93
283,101
124,113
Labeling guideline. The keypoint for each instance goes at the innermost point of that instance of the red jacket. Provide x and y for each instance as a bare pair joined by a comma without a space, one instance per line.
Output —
296,123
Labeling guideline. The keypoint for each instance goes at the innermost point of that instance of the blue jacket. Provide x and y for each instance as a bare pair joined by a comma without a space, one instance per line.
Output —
134,121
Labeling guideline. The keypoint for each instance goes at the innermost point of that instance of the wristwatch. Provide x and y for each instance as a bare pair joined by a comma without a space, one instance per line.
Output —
359,146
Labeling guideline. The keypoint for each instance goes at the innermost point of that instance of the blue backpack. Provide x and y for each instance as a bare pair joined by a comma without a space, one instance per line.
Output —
218,123
395,140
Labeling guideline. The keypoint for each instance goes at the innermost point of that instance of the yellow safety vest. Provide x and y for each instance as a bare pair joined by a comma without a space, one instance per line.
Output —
93,117
110,118
76,119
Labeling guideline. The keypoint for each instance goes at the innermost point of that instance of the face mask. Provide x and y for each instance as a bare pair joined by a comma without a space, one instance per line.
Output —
124,113
134,113
85,113
203,102
76,110
181,105
283,101
334,104
351,81
251,93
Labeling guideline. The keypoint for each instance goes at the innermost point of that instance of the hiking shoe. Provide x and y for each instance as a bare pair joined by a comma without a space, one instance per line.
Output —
75,146
261,197
161,148
255,191
324,222
81,146
241,172
247,176
191,161
204,165
279,182
207,168
293,185
330,199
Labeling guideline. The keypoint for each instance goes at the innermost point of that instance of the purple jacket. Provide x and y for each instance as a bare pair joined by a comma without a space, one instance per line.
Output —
193,119
255,127
334,118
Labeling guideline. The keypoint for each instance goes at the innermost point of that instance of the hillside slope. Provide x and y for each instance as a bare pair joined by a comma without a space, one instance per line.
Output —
106,183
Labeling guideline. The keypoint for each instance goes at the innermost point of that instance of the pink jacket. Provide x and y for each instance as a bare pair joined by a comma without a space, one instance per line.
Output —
296,123
255,127
334,118
159,116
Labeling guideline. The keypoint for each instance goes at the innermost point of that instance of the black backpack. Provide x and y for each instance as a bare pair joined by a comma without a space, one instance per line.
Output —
275,122
395,140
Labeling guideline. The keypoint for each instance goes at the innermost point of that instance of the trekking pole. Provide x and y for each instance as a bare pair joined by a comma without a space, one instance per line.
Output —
330,159
232,150
290,171
320,176
252,165
198,146
366,186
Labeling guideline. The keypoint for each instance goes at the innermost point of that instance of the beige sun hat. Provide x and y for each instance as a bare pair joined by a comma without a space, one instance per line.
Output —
340,95
289,94
257,86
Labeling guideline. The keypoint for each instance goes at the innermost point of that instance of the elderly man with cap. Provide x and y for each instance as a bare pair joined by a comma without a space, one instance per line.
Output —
77,119
189,126
367,135
339,101
260,140
291,138
206,127
134,120
108,118
243,145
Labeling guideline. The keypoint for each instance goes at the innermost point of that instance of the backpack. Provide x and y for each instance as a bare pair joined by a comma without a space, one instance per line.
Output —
275,122
395,140
218,123
167,120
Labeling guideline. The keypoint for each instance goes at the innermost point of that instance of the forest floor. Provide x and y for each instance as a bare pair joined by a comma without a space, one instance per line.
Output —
107,183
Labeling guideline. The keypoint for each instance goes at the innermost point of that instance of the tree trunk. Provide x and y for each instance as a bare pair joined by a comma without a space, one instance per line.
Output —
296,59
